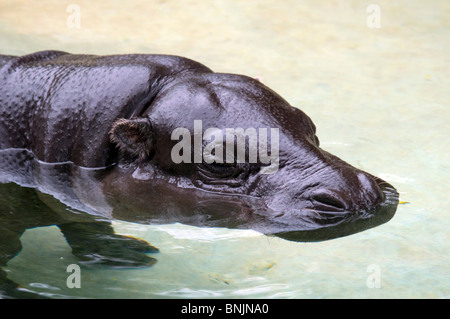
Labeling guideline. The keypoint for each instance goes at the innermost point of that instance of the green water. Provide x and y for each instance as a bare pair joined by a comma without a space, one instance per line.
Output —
378,96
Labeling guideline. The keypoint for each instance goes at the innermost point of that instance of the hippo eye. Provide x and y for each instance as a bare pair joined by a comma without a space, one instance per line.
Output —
224,171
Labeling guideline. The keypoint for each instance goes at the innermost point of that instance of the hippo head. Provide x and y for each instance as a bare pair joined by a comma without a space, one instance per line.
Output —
225,150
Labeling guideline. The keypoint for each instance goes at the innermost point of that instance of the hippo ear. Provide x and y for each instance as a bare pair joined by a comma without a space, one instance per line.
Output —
133,136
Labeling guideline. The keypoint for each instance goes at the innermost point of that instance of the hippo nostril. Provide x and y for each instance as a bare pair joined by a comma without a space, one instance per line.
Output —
329,201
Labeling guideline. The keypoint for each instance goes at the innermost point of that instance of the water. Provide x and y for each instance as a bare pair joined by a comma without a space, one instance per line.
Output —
378,96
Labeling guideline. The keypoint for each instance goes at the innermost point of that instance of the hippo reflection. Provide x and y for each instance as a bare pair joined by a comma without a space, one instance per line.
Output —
95,133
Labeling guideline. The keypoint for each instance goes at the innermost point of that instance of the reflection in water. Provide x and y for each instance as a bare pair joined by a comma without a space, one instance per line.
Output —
48,197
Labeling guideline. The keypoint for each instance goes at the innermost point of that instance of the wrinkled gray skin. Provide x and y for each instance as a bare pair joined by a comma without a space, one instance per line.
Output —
94,133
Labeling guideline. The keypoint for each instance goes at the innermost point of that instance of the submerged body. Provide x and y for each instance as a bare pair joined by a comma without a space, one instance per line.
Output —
97,133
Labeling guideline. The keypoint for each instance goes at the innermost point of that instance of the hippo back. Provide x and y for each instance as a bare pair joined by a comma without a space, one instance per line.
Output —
61,106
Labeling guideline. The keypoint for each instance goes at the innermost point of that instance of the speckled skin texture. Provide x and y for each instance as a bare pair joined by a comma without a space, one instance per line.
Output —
60,106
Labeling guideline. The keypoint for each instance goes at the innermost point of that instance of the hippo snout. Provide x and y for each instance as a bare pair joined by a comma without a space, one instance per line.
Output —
329,197
355,192
370,188
349,202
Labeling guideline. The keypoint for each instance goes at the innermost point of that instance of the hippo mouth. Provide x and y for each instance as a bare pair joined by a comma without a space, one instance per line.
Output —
332,220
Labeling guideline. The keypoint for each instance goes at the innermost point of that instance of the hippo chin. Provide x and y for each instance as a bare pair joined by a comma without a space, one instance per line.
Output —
145,138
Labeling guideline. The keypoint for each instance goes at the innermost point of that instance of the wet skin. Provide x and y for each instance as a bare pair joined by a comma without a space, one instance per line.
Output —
94,133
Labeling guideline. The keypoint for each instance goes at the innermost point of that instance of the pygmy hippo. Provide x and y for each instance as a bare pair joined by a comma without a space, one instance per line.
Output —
161,139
